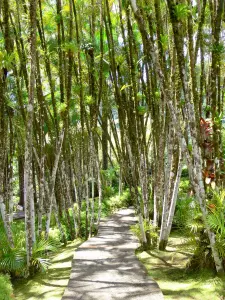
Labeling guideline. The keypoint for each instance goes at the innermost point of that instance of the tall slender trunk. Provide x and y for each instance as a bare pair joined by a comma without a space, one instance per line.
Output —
52,182
28,182
170,202
41,195
87,206
92,150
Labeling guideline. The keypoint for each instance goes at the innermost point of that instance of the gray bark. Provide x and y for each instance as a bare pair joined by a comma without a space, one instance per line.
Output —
52,182
28,180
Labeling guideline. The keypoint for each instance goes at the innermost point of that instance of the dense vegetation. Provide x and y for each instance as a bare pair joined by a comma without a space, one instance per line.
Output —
101,96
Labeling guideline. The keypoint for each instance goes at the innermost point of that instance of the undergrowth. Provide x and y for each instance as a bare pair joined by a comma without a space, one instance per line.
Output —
13,260
168,269
6,290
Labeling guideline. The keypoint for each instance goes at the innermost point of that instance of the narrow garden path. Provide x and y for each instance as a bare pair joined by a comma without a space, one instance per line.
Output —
105,267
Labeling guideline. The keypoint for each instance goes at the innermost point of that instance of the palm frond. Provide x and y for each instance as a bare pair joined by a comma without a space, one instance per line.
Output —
12,259
41,263
220,245
42,245
216,222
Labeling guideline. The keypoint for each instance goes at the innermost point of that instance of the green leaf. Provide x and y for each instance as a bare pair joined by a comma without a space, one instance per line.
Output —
164,41
89,100
218,48
142,110
157,95
189,147
75,118
7,60
45,128
124,4
181,11
61,107
125,86
70,46
106,66
58,19
139,96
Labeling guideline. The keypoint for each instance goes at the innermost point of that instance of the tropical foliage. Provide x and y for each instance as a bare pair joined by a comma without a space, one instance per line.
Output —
6,288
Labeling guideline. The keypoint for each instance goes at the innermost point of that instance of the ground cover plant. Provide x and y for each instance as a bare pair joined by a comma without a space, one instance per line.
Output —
170,270
6,288
185,269
50,284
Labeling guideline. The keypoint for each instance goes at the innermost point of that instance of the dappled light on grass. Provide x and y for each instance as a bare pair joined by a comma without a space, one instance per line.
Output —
49,285
168,269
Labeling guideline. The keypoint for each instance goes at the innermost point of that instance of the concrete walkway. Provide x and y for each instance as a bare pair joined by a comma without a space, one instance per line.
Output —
106,268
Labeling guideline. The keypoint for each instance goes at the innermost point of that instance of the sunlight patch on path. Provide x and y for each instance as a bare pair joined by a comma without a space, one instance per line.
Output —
105,267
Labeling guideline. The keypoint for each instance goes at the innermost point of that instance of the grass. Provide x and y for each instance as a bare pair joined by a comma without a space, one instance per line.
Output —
49,285
168,268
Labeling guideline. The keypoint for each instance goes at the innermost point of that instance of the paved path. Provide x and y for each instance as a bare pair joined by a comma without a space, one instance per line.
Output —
106,268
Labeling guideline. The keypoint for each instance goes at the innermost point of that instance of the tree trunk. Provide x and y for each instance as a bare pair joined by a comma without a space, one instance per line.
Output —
28,180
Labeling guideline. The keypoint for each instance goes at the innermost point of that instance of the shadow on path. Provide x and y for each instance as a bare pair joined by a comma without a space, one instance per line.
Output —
105,267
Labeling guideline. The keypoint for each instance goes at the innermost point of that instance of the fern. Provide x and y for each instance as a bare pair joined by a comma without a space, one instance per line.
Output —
181,11
13,259
40,263
43,245
220,245
216,222
218,198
